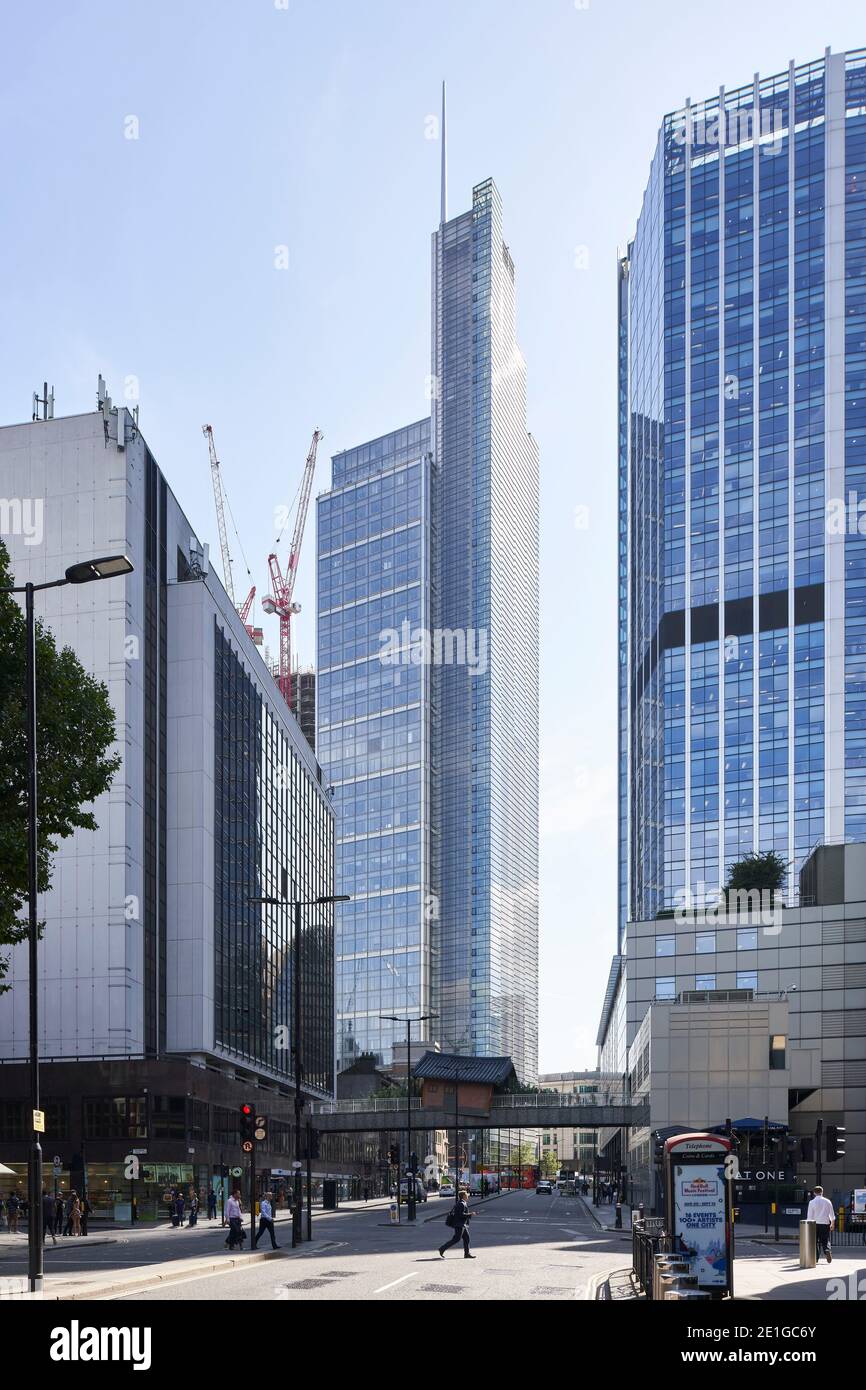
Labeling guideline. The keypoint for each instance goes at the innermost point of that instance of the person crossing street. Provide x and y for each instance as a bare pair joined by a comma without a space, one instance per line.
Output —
266,1221
820,1211
459,1219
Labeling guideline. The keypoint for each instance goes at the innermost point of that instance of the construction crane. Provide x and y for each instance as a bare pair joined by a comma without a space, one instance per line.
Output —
243,609
280,600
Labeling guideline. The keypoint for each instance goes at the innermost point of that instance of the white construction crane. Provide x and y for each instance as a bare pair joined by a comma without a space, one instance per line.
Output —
244,608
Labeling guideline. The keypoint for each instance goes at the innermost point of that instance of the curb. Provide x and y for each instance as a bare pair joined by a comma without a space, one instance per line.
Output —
171,1276
595,1290
624,1234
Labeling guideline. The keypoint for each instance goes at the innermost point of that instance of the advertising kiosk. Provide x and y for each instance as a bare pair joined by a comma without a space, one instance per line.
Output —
697,1174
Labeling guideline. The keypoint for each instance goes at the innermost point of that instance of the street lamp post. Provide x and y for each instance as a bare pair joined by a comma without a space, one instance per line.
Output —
105,568
411,1201
297,904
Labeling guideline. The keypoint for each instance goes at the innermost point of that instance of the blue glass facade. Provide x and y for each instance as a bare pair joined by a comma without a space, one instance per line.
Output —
741,419
428,684
373,721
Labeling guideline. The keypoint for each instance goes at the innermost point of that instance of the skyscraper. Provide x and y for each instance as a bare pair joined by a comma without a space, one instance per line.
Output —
428,684
485,586
742,429
374,715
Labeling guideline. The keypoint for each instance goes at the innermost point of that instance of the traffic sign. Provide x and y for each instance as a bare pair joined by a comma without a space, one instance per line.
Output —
237,1172
297,1163
39,1121
58,1171
57,1160
247,1146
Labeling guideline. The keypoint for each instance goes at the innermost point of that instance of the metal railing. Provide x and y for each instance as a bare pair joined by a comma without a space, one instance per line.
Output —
648,1239
364,1105
553,1099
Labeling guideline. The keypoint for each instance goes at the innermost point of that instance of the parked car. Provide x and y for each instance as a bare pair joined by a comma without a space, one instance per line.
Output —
446,1189
543,1189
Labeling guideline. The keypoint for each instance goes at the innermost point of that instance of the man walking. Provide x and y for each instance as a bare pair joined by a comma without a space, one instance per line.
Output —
266,1221
234,1213
820,1211
48,1209
461,1216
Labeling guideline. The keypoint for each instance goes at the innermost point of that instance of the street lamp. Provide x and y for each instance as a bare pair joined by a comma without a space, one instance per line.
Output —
297,904
105,568
411,1203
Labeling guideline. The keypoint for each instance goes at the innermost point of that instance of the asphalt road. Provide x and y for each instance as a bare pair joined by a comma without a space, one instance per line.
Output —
527,1247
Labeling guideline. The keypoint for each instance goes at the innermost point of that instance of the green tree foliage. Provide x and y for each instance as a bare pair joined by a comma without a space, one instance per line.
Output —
549,1164
75,731
764,871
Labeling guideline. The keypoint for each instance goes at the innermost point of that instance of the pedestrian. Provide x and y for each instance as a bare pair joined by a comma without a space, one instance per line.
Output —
266,1221
211,1205
86,1209
58,1215
13,1209
179,1208
76,1216
193,1208
48,1217
459,1219
234,1212
67,1215
820,1211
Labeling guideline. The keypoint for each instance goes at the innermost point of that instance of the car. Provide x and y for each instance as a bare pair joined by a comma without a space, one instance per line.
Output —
543,1189
446,1189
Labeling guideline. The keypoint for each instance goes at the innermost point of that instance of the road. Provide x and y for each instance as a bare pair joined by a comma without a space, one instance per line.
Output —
527,1247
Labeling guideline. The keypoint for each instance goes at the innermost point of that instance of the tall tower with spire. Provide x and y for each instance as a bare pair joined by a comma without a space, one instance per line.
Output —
485,589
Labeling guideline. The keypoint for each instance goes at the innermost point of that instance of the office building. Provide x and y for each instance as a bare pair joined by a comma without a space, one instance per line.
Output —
165,994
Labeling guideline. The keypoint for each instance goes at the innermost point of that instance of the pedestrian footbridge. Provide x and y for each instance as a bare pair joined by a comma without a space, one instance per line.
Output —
505,1112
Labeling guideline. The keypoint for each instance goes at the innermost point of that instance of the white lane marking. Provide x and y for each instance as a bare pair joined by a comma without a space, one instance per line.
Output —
401,1280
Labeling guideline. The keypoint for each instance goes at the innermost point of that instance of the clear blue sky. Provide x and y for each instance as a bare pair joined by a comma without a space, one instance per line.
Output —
304,126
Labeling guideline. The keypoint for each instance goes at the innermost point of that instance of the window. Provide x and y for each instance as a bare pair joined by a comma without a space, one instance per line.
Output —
665,945
705,982
115,1117
777,1052
747,938
747,979
666,987
705,943
169,1117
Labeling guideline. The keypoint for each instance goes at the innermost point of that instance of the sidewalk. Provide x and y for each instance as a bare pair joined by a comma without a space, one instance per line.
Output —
774,1278
108,1233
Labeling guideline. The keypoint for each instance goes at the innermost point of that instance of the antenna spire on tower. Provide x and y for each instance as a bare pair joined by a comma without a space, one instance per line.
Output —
444,173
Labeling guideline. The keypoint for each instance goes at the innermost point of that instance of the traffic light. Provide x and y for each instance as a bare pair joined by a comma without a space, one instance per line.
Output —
807,1149
658,1151
313,1144
835,1142
248,1125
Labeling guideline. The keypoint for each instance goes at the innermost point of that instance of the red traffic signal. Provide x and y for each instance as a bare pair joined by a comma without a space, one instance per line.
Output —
248,1122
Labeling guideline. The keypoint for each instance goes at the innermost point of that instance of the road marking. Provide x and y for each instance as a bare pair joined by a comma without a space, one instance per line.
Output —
401,1280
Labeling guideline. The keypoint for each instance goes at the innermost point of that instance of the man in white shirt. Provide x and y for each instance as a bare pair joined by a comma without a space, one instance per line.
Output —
821,1212
266,1221
234,1216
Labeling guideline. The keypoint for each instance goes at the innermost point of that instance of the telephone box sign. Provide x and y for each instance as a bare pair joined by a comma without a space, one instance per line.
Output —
699,1205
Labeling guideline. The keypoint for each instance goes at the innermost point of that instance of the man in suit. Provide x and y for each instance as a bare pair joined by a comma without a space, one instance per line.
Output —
462,1217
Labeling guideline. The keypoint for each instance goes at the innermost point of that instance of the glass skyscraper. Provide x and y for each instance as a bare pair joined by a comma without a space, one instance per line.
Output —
485,577
373,721
742,433
428,684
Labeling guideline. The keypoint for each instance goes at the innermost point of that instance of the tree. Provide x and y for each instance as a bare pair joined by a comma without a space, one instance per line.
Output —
549,1164
765,871
75,729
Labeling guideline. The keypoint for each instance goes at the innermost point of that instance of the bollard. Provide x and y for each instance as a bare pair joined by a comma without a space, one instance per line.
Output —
395,1215
808,1245
617,1224
666,1264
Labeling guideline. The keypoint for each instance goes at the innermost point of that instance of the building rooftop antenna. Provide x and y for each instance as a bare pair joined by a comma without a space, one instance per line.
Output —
443,182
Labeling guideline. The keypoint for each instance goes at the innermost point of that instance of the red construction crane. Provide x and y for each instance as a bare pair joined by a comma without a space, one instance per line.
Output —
244,609
280,600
